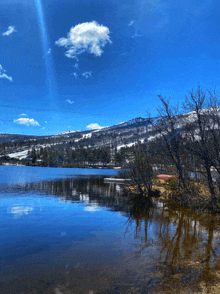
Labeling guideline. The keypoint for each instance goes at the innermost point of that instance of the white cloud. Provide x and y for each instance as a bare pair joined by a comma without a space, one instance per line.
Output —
9,31
49,51
26,121
76,65
87,74
131,23
3,75
63,41
85,37
69,101
94,126
22,114
43,128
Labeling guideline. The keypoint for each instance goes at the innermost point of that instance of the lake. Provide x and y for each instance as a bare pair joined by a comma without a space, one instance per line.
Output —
66,231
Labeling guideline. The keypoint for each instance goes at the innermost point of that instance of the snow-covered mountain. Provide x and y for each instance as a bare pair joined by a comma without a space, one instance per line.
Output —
124,134
120,135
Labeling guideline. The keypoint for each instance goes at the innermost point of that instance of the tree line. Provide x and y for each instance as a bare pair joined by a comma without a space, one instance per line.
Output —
54,156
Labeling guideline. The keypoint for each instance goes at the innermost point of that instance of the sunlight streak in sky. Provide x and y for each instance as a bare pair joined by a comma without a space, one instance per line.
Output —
47,51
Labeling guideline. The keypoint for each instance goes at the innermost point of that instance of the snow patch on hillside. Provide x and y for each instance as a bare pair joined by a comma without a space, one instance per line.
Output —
68,132
19,155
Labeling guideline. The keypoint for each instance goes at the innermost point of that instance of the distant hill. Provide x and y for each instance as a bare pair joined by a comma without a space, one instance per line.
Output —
124,134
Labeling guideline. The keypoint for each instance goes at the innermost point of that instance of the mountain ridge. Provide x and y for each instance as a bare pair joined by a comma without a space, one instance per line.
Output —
122,135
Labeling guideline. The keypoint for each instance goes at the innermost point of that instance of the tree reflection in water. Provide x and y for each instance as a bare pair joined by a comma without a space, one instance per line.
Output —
188,256
182,245
89,190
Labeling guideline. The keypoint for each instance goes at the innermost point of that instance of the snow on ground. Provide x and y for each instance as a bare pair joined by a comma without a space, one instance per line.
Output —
23,154
86,136
126,145
19,155
130,144
68,132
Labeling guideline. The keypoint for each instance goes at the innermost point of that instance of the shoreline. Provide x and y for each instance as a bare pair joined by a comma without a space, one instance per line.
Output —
195,197
63,166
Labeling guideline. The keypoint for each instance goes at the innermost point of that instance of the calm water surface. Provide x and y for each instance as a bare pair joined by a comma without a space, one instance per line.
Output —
66,231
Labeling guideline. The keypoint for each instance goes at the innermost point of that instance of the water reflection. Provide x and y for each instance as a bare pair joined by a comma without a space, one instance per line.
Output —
90,190
187,257
20,210
87,247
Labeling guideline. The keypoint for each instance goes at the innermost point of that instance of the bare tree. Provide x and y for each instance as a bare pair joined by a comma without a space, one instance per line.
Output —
140,174
199,125
213,127
169,129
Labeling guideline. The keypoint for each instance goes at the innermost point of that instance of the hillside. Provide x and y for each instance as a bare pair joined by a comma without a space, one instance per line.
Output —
64,147
121,135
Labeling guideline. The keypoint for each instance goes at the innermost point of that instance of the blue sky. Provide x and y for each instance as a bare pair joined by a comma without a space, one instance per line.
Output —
67,65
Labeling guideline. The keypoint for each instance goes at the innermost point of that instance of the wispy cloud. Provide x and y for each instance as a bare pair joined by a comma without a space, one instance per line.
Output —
47,53
45,122
3,75
131,23
22,114
26,121
69,101
94,126
76,65
124,54
9,31
75,74
85,37
87,74
136,36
